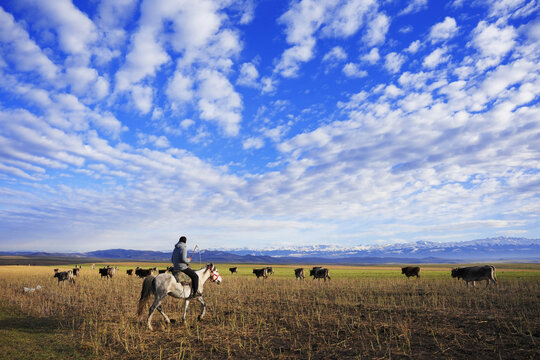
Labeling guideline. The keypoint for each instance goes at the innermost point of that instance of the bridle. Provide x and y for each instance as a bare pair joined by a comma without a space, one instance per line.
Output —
214,275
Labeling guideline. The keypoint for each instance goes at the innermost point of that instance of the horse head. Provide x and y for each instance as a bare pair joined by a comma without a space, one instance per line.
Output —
214,274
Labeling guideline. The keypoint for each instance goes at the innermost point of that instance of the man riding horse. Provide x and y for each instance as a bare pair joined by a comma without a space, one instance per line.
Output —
181,262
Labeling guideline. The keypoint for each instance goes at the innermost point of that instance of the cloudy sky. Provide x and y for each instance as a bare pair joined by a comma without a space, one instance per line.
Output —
267,123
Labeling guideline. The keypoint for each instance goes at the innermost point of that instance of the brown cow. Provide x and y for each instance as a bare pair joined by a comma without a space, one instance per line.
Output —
107,272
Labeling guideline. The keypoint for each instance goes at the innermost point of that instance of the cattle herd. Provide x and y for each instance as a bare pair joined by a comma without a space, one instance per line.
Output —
468,274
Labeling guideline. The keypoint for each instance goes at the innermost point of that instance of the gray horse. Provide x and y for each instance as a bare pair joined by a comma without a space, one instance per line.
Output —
165,284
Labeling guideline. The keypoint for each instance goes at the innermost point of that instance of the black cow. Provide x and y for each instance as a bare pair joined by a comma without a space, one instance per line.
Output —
76,271
299,273
129,272
142,273
269,270
411,271
64,275
319,273
261,272
107,272
476,273
233,270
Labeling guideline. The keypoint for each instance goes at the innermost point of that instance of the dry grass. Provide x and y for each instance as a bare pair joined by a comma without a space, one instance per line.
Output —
348,317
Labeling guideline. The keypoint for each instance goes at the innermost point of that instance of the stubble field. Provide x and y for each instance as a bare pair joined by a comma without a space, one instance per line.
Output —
363,312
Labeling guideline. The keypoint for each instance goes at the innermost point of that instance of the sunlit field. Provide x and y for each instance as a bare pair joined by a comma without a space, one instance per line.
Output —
362,312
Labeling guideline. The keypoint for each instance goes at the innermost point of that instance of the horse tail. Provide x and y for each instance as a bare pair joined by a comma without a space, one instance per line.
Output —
147,290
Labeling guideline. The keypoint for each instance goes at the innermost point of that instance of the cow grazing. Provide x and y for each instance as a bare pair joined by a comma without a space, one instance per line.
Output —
411,271
233,270
319,273
129,272
142,273
299,273
476,273
162,271
107,272
64,275
76,271
92,266
269,270
261,272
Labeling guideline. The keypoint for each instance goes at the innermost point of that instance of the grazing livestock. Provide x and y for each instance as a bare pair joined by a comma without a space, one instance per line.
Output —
142,273
107,272
319,273
299,273
269,270
129,272
92,266
165,284
261,272
233,270
411,271
64,275
76,271
162,271
476,273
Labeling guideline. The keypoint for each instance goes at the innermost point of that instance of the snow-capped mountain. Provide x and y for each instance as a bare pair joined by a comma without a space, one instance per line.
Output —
503,249
494,249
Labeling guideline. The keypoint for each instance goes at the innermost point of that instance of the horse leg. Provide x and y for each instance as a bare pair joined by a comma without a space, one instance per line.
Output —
156,304
186,304
203,311
164,315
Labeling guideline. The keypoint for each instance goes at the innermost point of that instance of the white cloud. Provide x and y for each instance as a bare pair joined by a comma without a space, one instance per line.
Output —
502,8
186,123
248,75
414,7
306,18
444,30
492,42
413,47
437,57
219,102
352,70
336,54
180,89
75,31
146,56
268,84
377,29
393,62
142,97
372,57
157,141
86,82
21,51
252,143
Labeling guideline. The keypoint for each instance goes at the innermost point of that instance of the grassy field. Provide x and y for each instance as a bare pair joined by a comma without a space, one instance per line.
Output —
363,312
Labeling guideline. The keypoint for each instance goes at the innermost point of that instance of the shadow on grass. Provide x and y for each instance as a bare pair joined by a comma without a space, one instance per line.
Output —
24,337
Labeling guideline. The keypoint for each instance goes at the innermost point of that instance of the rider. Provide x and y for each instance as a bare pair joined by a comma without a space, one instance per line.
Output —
181,262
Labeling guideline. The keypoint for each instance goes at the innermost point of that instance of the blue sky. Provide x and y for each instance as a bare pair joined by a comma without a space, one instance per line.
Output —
124,124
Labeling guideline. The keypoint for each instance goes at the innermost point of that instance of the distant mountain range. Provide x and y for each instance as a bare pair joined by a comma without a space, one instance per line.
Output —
500,249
